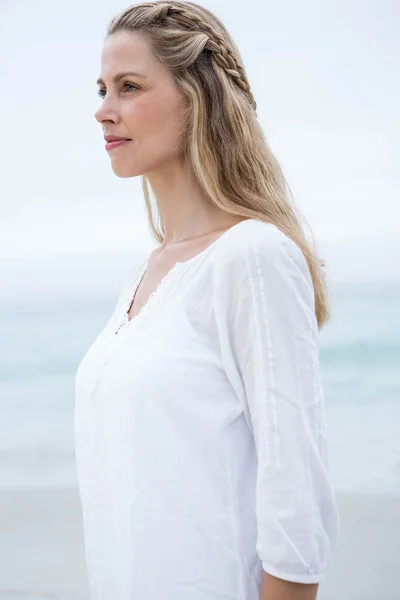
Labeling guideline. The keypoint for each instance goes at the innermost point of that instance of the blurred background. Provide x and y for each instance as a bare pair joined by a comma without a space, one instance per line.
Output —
325,77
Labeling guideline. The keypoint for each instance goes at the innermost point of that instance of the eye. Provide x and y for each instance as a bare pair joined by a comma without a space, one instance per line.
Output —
102,93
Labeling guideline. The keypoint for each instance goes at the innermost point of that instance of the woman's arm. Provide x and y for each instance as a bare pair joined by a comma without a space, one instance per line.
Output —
279,589
264,307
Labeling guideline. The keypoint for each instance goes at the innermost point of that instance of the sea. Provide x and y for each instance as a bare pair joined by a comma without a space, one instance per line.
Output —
43,342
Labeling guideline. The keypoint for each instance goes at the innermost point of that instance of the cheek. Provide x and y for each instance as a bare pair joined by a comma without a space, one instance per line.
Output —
154,121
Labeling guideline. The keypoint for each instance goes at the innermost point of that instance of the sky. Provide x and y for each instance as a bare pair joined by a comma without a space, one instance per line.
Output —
325,78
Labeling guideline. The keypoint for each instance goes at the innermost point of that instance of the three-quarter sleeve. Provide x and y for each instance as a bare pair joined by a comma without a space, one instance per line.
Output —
264,310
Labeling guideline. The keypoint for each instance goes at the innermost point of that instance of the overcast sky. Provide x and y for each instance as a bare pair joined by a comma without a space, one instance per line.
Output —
325,75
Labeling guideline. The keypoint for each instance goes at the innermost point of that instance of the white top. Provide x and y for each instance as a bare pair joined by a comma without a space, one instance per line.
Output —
200,431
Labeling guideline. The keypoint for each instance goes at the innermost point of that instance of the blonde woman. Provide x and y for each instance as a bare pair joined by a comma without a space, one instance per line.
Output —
200,426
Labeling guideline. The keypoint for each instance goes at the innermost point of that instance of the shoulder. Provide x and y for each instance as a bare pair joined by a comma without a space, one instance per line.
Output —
260,261
258,245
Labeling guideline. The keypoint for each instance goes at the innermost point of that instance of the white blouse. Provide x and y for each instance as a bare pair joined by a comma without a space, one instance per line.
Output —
200,431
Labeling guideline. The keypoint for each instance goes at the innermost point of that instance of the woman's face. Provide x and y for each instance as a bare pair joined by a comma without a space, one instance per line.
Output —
146,109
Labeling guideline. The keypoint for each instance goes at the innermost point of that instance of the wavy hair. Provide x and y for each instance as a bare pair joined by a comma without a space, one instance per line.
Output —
224,144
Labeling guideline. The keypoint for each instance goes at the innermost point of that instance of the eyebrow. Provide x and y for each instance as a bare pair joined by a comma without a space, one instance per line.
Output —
119,76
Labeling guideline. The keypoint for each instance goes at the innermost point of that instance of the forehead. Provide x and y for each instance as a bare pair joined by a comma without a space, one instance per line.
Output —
127,51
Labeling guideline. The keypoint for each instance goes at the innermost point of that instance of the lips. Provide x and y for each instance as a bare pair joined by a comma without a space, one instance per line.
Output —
115,138
115,143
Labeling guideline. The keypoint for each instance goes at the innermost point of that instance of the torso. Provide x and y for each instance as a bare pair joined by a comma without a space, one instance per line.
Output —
165,448
161,439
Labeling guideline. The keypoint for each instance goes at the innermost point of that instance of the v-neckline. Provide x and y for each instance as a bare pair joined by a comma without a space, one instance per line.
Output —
177,266
143,272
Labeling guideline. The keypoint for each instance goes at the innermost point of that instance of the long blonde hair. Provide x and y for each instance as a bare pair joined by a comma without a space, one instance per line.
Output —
224,146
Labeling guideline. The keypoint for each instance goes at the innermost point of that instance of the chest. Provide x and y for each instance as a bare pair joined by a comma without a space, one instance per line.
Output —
172,377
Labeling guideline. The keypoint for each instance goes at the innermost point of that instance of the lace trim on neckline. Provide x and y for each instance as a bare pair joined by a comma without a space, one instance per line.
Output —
166,292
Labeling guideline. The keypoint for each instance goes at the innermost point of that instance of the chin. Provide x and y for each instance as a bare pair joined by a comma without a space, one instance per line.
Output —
124,175
125,172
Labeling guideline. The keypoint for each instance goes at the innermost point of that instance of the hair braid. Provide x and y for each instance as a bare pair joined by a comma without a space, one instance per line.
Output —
216,44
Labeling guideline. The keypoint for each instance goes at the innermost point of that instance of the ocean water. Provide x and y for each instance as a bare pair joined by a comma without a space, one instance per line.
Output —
42,345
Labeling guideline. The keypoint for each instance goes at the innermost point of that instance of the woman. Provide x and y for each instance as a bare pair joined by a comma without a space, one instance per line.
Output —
201,444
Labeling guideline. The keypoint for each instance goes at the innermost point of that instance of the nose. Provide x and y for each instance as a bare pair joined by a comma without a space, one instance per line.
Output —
106,112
